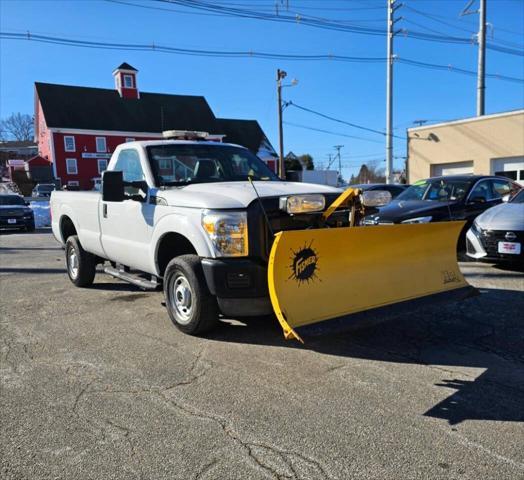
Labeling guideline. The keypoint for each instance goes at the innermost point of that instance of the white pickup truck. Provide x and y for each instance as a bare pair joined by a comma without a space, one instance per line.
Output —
198,216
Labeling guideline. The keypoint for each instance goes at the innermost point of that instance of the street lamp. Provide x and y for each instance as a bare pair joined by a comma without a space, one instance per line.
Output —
280,76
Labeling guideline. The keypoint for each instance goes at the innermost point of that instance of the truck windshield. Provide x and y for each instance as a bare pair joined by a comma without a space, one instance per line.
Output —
442,190
183,164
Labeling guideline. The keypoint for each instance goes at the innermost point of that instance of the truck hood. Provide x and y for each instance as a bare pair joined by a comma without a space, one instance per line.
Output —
506,216
225,195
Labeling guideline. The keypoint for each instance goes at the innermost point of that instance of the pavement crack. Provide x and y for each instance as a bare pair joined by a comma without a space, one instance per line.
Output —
206,468
193,374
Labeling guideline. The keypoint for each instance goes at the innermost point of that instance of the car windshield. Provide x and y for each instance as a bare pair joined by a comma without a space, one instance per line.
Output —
183,164
45,188
440,190
518,198
11,200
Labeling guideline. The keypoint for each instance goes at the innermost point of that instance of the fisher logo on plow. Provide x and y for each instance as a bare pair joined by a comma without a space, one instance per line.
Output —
304,266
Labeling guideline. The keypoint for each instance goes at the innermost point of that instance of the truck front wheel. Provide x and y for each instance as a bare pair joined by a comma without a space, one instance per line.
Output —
81,265
189,303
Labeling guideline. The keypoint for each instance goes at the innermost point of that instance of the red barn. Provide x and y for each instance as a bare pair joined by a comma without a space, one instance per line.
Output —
77,128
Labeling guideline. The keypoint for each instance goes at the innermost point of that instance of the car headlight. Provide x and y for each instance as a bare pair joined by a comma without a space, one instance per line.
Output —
418,220
302,203
475,228
227,232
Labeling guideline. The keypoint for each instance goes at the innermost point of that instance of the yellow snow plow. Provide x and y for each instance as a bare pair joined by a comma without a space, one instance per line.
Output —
328,275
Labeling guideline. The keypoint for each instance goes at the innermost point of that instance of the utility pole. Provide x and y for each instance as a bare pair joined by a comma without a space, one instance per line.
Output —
337,148
481,40
281,167
481,75
392,8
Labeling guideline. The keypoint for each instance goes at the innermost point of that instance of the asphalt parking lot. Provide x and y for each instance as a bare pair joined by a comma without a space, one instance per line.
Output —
97,384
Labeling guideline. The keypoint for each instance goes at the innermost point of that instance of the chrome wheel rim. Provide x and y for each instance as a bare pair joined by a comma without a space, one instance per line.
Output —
182,299
72,263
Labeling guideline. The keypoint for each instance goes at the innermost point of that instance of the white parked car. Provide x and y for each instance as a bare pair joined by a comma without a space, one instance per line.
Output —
498,234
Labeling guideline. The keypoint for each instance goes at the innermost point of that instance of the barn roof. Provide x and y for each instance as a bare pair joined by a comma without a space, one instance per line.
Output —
247,133
86,108
126,66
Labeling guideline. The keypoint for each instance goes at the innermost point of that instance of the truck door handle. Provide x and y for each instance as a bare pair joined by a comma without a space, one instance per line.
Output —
104,210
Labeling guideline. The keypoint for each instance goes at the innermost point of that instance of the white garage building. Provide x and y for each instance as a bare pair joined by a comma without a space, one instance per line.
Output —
487,145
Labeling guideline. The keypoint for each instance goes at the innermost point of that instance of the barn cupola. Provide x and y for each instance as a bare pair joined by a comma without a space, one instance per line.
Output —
125,81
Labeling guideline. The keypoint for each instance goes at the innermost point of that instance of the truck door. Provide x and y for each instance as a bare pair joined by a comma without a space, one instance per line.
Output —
126,227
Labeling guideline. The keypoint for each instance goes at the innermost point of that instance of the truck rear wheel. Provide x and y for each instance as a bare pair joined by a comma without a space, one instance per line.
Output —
189,303
81,265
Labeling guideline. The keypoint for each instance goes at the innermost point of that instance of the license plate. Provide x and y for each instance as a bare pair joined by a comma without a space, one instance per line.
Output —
11,220
509,247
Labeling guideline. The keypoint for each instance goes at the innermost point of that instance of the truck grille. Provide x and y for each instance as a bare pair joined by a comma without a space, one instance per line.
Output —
14,213
279,221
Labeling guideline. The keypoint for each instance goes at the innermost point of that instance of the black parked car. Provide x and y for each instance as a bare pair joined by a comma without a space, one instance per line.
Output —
43,190
394,188
15,214
456,197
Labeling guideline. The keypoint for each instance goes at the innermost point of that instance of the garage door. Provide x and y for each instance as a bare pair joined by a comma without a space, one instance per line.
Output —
457,168
512,167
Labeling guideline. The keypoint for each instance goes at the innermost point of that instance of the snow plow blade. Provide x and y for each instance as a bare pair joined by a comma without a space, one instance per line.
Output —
331,274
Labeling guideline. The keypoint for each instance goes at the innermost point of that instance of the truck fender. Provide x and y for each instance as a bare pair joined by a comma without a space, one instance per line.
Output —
183,225
63,211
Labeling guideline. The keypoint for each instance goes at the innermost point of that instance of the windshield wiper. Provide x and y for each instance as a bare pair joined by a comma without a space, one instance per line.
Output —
176,183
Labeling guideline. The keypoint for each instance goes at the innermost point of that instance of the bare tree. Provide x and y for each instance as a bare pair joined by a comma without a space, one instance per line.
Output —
18,126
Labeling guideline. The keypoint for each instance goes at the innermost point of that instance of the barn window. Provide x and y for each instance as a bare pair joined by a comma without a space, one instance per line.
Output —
71,166
69,144
102,165
101,144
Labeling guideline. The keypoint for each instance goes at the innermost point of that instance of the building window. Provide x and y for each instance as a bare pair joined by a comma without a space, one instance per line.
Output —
165,164
101,144
73,183
102,165
71,166
130,139
128,81
69,144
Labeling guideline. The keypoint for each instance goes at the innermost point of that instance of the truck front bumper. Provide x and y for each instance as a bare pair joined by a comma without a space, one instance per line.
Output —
240,286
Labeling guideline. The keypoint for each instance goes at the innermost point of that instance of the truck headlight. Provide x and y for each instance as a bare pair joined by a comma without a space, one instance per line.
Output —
227,231
418,220
302,203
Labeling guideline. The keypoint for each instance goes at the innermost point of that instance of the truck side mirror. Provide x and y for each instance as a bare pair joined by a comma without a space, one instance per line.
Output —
112,186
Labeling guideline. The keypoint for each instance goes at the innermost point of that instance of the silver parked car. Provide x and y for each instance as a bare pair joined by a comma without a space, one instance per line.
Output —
498,234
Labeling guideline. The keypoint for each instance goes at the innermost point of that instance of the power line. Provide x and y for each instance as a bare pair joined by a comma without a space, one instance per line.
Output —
183,51
354,125
338,134
327,24
452,68
29,36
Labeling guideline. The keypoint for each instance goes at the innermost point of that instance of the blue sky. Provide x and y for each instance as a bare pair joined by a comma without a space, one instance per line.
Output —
245,87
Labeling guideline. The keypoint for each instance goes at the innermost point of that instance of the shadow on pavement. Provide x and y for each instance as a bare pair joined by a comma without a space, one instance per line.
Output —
31,270
485,332
510,267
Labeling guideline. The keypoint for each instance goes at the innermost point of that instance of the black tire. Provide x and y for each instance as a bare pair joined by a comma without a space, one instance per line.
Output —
189,303
83,273
30,228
